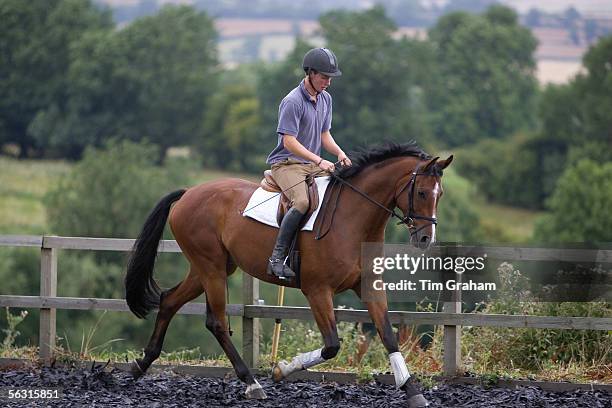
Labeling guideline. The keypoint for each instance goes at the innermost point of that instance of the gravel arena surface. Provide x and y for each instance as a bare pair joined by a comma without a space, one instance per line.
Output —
101,387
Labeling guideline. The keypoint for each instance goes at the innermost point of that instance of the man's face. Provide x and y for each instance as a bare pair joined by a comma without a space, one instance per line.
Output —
319,81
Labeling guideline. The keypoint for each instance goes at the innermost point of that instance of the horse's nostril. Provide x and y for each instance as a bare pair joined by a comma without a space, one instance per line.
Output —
424,238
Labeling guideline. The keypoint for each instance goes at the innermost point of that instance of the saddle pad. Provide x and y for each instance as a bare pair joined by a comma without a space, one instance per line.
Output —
265,212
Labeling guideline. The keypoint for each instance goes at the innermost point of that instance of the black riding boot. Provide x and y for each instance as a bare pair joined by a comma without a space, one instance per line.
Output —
288,228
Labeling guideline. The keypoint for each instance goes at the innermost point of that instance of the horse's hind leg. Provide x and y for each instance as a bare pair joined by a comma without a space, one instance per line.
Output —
322,307
171,301
217,324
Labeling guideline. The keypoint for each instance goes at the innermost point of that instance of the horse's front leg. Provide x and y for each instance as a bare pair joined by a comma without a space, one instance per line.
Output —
322,308
380,317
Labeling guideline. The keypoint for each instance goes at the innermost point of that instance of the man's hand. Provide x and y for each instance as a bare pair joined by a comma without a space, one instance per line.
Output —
327,166
344,160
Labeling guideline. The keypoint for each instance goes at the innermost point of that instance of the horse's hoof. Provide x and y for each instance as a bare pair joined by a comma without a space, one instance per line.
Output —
254,391
135,370
417,401
277,373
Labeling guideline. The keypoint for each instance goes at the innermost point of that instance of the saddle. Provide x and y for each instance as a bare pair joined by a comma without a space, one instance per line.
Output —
268,184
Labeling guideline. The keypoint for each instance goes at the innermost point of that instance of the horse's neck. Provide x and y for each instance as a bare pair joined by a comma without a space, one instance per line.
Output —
380,183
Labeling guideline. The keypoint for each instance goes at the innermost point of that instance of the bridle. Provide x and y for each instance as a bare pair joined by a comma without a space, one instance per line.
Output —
410,216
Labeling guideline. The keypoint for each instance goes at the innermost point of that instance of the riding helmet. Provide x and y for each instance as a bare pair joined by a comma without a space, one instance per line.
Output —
323,61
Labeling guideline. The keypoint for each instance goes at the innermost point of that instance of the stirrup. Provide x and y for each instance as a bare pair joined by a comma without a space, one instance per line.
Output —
285,272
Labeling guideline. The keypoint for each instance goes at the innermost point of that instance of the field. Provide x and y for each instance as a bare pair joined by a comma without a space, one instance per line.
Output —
516,224
23,184
558,58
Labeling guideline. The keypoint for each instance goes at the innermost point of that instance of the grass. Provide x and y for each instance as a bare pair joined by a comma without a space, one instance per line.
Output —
23,184
425,364
507,224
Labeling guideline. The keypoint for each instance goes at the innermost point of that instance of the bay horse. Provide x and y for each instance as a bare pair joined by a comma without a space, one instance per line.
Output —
214,236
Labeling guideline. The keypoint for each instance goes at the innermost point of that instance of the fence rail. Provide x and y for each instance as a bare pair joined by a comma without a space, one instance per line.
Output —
451,318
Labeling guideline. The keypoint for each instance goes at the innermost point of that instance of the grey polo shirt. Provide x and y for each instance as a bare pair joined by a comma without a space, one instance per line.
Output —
301,117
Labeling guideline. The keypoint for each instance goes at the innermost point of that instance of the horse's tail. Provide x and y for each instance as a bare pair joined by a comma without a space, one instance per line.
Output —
141,291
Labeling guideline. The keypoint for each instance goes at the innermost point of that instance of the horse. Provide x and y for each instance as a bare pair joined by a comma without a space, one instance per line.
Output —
208,225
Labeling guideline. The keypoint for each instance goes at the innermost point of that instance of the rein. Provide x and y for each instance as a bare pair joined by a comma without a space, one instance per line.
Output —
407,219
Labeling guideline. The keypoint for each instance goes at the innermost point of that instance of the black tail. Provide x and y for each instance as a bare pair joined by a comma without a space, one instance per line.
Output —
141,290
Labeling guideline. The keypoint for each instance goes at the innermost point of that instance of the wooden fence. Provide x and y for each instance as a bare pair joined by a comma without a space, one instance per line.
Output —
250,310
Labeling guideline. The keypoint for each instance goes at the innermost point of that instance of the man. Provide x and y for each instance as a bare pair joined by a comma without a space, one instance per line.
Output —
304,122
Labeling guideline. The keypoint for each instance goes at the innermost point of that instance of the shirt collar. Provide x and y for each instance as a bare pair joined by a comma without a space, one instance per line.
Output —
304,91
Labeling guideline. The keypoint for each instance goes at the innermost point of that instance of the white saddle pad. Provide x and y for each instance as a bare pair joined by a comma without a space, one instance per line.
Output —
263,205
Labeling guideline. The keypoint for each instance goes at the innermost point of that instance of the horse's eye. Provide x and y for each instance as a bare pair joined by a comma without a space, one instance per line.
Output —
422,194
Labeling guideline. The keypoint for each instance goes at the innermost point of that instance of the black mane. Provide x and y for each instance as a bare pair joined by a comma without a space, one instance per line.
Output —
363,158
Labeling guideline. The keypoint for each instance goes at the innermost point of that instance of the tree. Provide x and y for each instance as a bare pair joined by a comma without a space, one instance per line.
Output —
486,85
232,125
575,116
594,92
375,97
579,206
150,80
533,18
110,192
521,170
35,41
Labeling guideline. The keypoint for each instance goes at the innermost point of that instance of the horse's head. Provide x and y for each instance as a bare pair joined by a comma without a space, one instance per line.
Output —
417,195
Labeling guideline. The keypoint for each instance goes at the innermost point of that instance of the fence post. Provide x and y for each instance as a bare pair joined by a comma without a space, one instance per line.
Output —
48,287
452,336
250,326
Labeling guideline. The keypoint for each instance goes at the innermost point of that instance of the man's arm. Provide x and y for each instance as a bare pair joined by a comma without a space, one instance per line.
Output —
332,147
291,143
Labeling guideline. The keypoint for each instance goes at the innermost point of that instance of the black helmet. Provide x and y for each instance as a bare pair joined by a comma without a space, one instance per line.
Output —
321,60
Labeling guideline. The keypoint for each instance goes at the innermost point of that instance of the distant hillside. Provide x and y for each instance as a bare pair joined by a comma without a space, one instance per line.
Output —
257,29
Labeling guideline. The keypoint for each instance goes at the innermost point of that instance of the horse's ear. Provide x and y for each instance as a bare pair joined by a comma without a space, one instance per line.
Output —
442,164
427,167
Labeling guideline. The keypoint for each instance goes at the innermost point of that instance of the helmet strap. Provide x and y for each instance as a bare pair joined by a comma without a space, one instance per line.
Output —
312,71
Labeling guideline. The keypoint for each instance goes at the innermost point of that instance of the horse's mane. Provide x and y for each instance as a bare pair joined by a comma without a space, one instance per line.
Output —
364,157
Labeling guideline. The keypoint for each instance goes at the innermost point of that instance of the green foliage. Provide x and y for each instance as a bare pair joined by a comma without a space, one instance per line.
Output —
149,80
597,151
11,333
20,271
35,42
575,117
20,275
488,348
110,192
580,205
594,92
376,97
524,170
232,125
459,218
486,85
520,170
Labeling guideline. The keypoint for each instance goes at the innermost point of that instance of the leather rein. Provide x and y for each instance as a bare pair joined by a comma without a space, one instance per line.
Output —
407,219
